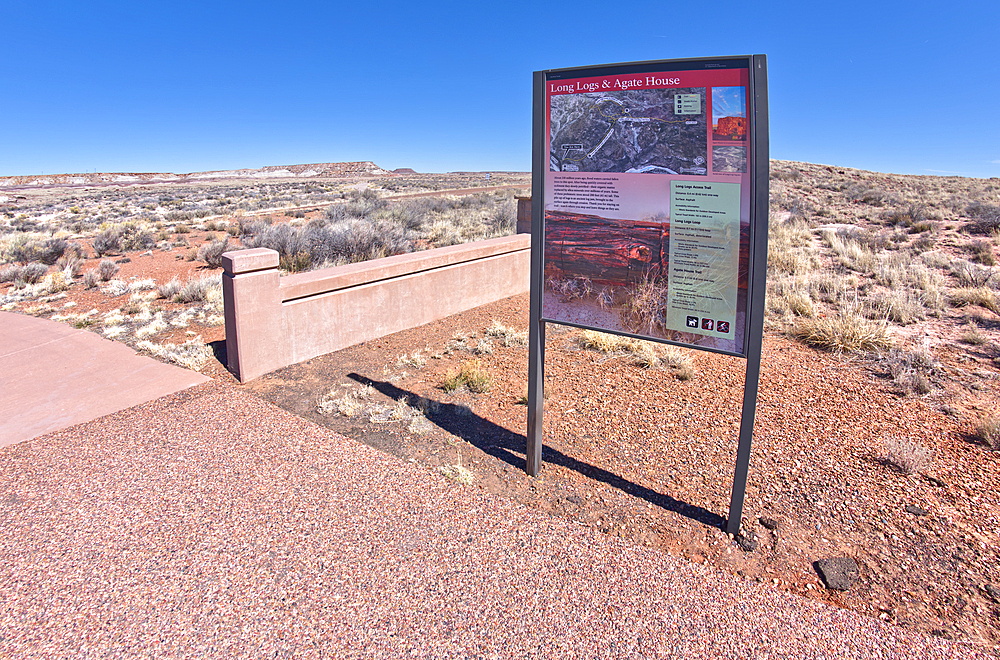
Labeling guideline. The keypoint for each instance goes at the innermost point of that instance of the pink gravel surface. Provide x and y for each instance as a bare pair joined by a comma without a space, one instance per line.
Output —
209,523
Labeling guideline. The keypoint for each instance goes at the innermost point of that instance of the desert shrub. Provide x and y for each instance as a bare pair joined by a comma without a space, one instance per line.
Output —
211,253
986,218
106,269
168,290
785,175
46,252
106,242
136,237
345,241
91,278
914,217
470,375
199,290
70,263
969,274
503,218
982,253
988,430
906,455
872,196
9,273
27,274
911,370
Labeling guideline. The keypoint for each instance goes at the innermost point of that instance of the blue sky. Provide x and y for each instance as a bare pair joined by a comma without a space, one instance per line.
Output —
906,87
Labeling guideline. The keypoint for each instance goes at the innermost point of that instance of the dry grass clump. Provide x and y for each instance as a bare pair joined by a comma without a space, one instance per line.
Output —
192,354
642,309
911,371
973,336
843,331
510,336
988,431
906,455
605,342
471,375
982,253
348,405
788,243
852,253
416,360
901,306
458,473
790,296
643,353
980,295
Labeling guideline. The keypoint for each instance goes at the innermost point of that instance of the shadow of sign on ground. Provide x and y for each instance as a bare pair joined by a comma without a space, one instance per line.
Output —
508,447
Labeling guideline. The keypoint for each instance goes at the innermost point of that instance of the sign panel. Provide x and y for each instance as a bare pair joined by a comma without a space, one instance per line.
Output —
648,200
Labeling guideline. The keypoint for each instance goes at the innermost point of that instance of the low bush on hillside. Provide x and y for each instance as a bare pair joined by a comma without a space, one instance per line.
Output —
906,455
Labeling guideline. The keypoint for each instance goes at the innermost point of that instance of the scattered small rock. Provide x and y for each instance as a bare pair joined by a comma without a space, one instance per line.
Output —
915,510
575,499
935,480
747,541
837,573
123,260
769,523
993,591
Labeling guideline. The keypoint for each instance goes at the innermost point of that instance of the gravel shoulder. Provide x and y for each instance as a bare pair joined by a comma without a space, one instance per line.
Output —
210,523
641,455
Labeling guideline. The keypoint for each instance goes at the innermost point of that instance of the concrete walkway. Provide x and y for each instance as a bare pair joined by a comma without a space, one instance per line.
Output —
53,376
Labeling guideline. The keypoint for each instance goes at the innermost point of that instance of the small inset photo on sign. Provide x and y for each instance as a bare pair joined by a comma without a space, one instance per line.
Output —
729,114
729,159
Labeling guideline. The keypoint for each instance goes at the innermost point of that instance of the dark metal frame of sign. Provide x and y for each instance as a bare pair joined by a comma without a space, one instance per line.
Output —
604,229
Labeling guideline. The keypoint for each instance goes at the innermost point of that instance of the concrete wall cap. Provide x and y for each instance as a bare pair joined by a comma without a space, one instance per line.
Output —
317,282
247,261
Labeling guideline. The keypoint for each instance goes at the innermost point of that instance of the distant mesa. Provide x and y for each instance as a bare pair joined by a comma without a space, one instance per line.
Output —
405,170
314,170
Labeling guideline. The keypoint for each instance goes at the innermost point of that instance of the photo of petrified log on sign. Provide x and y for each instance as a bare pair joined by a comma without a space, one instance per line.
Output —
606,251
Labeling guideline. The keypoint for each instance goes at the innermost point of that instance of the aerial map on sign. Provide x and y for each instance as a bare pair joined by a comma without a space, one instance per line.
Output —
637,131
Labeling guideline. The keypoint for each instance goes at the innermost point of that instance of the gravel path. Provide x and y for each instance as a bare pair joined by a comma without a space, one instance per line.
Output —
211,524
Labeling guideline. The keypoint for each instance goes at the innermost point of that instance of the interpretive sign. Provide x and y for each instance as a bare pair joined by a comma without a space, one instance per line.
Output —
648,191
650,219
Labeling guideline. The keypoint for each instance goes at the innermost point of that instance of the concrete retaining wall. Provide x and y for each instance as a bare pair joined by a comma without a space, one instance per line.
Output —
272,321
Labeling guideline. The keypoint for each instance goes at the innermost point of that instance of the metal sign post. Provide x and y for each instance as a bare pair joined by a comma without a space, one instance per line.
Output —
653,173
